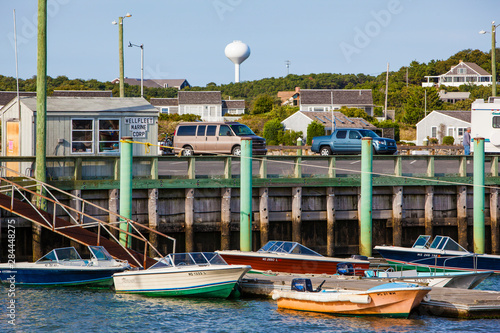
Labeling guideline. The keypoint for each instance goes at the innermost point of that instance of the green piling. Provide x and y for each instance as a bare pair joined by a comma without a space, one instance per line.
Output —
246,195
479,195
125,187
365,239
41,101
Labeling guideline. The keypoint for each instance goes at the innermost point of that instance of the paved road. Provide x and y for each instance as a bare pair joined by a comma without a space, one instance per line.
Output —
285,168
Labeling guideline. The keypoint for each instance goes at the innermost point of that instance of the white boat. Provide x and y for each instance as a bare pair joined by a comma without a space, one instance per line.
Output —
462,280
197,274
65,267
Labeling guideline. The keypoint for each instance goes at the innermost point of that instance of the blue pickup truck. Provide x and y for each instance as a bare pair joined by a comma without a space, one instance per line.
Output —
348,141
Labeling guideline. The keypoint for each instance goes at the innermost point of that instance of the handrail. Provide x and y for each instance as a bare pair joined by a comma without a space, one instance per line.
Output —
15,187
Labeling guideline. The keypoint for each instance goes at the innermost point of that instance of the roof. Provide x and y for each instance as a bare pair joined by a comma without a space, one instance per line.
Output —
472,66
83,93
341,120
200,97
92,104
156,83
454,94
7,96
164,101
460,115
233,104
336,96
285,95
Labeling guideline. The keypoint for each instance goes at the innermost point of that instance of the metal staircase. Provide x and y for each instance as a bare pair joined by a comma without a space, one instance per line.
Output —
73,223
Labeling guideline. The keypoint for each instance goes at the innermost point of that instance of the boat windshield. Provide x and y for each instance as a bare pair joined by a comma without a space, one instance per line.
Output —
66,253
287,247
446,243
190,259
422,242
100,253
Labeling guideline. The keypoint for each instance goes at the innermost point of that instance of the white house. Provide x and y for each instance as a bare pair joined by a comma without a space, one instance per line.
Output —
439,124
463,73
334,99
207,104
300,120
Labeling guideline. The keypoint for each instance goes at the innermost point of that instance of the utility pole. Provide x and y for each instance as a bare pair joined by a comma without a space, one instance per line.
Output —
386,90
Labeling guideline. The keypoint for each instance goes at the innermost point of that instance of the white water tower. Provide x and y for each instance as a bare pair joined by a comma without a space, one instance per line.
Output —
237,52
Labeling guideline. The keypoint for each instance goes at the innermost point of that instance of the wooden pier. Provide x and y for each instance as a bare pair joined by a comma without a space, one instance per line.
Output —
443,302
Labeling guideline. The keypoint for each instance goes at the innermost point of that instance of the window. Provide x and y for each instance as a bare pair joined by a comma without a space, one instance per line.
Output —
82,135
341,134
461,131
461,71
211,130
434,132
164,110
496,122
225,131
201,130
451,131
354,135
109,135
189,130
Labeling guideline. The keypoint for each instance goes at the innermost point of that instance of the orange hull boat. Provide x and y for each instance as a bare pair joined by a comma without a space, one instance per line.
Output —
388,300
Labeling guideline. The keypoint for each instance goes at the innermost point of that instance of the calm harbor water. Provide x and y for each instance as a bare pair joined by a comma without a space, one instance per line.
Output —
86,310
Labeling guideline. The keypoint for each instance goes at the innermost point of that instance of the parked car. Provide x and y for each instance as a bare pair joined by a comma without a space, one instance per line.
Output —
215,138
348,141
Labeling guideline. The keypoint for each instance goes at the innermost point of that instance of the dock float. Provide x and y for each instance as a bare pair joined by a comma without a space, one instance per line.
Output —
443,302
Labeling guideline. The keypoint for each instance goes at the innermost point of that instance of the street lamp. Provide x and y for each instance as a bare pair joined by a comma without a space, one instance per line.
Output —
120,49
142,65
493,57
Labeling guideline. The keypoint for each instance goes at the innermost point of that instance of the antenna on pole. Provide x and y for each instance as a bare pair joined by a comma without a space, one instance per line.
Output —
287,64
17,73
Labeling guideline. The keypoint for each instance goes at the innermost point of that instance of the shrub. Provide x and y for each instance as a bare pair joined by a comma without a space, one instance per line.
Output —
290,138
273,132
433,141
314,129
448,140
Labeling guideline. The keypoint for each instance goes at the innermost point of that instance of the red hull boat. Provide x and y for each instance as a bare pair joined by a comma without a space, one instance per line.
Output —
292,257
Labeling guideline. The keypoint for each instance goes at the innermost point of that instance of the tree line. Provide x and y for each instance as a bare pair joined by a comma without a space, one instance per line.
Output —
405,92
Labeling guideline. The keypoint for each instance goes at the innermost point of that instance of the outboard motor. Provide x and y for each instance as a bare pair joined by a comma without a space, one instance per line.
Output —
302,285
345,268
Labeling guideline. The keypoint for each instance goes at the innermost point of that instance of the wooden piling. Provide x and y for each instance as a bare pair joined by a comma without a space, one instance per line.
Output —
113,204
189,219
462,215
494,212
36,231
397,215
429,209
296,214
153,219
225,215
330,221
264,215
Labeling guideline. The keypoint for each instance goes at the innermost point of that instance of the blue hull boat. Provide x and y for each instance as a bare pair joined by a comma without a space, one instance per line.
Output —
443,254
65,267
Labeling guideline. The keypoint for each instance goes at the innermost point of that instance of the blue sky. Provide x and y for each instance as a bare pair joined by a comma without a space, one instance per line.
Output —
186,38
